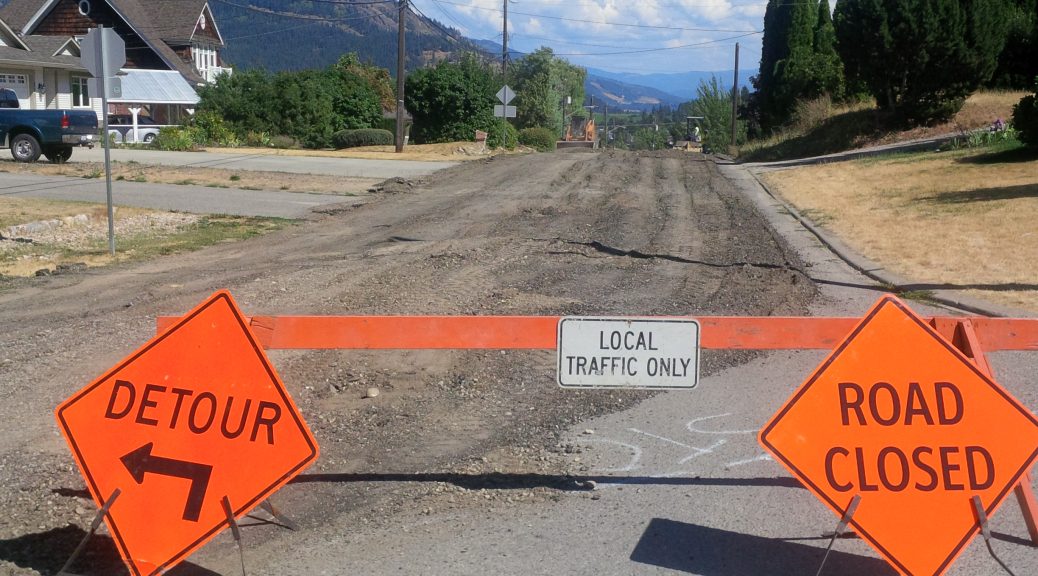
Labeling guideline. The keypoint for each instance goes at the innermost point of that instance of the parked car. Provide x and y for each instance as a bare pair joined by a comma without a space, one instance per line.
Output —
53,133
120,128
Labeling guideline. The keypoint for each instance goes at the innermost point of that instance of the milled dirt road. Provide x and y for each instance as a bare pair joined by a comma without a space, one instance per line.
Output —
606,233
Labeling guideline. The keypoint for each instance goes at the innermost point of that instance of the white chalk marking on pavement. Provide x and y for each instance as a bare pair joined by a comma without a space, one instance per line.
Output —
761,458
692,426
636,454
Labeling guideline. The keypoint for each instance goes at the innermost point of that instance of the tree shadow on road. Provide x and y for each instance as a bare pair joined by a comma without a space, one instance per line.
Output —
715,552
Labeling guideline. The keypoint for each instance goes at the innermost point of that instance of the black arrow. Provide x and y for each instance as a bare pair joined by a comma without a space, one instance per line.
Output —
140,462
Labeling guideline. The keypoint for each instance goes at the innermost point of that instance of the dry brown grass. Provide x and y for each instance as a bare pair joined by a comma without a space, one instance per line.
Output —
447,152
949,219
14,211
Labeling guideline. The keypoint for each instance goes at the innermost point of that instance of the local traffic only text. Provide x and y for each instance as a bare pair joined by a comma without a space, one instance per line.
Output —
605,352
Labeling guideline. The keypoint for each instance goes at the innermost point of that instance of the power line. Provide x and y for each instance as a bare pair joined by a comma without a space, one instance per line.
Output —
622,24
278,31
642,51
449,34
571,43
440,26
351,2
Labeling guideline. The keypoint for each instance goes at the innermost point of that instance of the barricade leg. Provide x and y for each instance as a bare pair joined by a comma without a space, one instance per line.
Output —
964,337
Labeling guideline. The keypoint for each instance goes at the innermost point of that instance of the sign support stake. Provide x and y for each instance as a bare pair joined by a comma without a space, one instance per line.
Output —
847,515
963,335
982,519
235,531
274,511
93,528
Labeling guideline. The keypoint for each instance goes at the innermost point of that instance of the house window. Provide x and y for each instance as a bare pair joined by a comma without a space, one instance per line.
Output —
80,92
204,57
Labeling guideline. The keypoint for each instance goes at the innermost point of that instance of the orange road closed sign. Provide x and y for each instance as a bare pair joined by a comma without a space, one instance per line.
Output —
196,415
900,417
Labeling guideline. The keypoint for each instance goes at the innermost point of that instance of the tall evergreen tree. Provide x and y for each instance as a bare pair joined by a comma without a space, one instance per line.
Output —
774,49
1018,63
829,67
920,58
798,58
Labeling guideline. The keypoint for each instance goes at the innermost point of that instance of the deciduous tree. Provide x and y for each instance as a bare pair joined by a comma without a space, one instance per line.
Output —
451,101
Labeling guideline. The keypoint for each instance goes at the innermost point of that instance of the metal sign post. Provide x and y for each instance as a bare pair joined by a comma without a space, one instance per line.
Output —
104,53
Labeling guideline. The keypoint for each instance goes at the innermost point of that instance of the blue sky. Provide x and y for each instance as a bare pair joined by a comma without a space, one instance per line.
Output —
638,36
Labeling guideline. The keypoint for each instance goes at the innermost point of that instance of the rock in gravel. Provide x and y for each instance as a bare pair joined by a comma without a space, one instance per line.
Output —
372,393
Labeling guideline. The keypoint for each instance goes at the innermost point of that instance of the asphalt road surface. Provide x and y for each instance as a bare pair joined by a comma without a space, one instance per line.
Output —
179,197
477,462
269,162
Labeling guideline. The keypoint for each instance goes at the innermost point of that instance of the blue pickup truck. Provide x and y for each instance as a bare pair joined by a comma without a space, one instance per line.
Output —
53,133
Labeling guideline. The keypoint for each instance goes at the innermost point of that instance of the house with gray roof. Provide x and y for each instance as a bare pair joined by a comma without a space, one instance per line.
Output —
172,47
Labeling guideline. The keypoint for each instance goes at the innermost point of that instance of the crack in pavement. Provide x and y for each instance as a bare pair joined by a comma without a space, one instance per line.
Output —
610,250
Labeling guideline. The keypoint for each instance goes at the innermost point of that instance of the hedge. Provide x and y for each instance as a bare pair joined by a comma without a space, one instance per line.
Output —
362,137
1025,118
538,138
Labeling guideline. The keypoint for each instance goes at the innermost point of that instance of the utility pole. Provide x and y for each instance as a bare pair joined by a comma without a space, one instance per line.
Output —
400,78
735,95
504,47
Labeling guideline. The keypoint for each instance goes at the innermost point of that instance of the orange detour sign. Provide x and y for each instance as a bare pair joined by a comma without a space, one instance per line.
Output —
194,416
900,417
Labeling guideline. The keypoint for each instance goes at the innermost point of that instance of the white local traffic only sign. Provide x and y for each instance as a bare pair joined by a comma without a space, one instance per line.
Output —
628,353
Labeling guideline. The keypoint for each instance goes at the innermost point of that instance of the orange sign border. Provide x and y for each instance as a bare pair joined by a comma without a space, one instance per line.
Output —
836,507
241,509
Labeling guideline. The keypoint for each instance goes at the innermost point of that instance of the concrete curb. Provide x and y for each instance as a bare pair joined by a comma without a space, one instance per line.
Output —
897,284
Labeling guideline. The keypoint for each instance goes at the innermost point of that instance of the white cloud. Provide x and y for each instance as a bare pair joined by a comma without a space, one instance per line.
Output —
588,31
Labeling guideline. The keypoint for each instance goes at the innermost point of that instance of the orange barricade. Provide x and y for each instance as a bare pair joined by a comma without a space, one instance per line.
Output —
539,332
973,336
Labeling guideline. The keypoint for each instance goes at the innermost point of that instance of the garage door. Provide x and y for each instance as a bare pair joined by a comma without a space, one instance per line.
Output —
17,82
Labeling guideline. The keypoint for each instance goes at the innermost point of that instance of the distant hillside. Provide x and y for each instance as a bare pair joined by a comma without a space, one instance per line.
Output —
625,96
257,38
618,94
682,85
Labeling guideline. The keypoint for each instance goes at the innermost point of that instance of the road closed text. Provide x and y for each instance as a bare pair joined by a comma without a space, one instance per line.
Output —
620,352
899,468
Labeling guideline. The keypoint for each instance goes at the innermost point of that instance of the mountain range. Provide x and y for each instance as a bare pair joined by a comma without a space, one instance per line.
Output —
280,35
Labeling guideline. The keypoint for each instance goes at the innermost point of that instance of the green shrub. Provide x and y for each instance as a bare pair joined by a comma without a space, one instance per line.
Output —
987,137
257,139
174,138
210,129
1025,118
502,135
283,142
362,137
538,138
